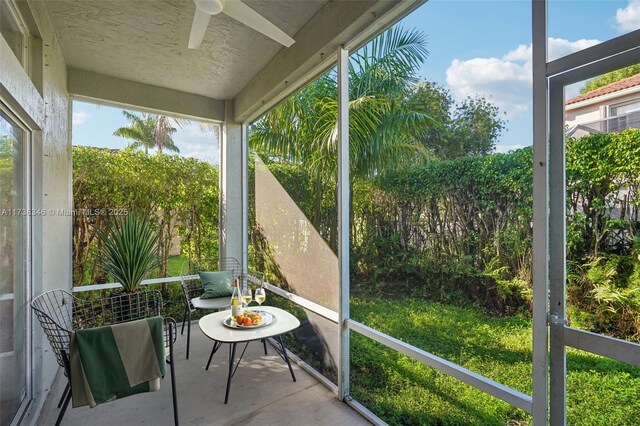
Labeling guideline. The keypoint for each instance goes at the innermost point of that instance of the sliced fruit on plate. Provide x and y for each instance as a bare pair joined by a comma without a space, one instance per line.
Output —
249,319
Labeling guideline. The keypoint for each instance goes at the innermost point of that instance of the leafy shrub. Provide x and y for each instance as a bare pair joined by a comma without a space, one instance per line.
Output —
178,195
606,296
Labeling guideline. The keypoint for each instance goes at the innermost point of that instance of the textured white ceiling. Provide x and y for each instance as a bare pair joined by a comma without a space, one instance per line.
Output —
146,41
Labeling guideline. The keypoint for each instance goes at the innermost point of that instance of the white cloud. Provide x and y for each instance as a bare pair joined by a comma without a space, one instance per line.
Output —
79,118
210,155
197,143
505,81
628,19
507,84
559,47
508,148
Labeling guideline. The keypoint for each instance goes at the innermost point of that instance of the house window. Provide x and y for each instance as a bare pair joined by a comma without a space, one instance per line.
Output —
13,30
626,108
624,116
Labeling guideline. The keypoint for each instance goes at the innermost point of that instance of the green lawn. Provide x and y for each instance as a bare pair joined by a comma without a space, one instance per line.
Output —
176,265
404,392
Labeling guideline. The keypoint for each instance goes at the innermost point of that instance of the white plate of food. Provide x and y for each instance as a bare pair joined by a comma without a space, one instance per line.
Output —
250,319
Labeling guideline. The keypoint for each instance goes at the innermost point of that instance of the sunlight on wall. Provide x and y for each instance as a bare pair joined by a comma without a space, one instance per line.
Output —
305,260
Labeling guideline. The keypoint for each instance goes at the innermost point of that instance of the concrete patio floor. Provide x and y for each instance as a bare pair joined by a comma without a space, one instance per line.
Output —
262,393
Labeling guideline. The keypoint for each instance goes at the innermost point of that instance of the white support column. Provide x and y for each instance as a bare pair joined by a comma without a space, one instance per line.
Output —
245,197
231,238
540,214
343,219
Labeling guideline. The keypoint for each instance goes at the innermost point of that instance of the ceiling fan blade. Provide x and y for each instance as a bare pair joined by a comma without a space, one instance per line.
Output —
198,28
243,13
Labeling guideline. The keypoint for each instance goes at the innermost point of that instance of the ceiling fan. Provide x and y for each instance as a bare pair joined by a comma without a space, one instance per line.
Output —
239,11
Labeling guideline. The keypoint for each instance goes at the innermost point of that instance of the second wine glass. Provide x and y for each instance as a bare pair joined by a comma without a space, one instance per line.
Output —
260,295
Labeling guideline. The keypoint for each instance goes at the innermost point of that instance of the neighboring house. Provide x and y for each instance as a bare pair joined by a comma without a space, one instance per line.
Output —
610,108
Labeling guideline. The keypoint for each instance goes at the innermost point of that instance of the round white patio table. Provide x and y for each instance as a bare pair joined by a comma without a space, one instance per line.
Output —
212,327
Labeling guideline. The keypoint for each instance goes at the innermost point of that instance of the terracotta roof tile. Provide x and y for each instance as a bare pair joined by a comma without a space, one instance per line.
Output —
625,83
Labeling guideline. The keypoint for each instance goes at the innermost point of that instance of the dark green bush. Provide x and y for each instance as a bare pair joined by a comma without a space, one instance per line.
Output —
460,231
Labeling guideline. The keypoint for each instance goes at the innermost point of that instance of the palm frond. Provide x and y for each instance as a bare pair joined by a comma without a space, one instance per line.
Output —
151,131
303,129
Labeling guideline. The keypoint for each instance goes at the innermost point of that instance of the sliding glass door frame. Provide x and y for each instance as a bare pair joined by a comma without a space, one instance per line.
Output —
27,255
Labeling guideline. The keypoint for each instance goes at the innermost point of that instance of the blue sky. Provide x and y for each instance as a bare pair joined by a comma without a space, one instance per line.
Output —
484,48
93,125
476,48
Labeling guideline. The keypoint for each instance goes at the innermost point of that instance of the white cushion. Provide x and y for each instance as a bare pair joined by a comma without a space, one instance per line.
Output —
211,304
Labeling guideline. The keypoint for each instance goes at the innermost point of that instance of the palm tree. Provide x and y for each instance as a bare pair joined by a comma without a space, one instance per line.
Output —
150,131
164,134
304,128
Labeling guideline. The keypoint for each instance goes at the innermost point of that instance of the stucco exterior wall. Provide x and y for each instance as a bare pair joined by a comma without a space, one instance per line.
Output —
48,117
583,115
595,109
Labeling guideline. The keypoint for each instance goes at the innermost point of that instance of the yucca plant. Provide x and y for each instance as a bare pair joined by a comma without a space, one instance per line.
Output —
130,251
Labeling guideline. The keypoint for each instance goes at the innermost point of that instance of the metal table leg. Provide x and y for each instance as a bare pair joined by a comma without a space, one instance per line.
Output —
286,357
216,346
232,355
232,368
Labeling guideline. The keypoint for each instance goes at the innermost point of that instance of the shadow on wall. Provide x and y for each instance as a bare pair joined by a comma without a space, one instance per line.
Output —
305,261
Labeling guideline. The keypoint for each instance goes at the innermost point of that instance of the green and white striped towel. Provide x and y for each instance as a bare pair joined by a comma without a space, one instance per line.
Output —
115,361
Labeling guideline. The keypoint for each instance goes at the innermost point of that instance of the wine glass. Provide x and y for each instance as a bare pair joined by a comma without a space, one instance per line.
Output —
260,295
246,296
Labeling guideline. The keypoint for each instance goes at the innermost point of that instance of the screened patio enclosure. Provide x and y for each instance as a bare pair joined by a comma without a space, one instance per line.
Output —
134,54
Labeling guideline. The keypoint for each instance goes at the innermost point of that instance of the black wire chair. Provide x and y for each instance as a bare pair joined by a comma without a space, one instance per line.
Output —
192,290
59,313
